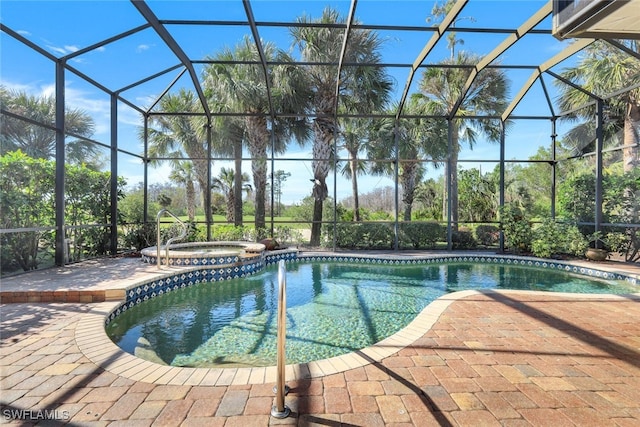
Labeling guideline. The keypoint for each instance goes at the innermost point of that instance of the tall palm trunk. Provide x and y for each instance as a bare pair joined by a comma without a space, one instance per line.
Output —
204,188
353,167
324,130
408,178
631,154
258,137
453,175
230,205
191,200
201,167
237,184
631,136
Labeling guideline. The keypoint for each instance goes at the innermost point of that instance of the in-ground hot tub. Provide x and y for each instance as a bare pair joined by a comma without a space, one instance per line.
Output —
204,253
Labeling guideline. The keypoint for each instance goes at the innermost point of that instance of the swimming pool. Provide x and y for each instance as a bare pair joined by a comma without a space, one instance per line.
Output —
332,308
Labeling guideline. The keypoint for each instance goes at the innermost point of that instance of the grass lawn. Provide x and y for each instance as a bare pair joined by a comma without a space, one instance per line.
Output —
248,220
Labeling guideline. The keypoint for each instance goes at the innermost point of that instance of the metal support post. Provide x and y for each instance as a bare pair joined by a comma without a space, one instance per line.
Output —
599,176
502,181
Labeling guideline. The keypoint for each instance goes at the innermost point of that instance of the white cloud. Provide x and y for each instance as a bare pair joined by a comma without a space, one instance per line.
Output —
98,109
46,90
128,116
59,50
17,87
133,170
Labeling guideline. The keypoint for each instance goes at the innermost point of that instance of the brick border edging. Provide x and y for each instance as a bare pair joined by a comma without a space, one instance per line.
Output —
81,296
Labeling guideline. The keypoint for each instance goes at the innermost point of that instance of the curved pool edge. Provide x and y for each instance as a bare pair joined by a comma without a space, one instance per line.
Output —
92,339
93,342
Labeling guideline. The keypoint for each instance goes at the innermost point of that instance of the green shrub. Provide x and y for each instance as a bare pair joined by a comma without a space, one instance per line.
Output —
626,244
364,235
346,234
228,232
194,233
487,235
422,235
463,239
517,229
554,238
139,236
287,235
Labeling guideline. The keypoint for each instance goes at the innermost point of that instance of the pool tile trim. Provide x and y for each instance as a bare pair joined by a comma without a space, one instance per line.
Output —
523,261
138,293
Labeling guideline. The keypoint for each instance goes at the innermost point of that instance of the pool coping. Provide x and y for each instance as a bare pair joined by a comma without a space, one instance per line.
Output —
94,343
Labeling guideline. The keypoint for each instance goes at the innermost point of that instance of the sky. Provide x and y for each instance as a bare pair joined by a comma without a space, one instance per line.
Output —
65,27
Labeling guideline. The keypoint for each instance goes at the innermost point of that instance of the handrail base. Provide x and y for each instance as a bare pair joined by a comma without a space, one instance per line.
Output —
280,414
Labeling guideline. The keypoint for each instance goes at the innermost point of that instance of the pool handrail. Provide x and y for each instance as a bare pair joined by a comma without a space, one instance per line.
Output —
171,240
280,410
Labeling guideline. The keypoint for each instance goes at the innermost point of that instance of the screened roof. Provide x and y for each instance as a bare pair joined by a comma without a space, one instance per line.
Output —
138,51
141,49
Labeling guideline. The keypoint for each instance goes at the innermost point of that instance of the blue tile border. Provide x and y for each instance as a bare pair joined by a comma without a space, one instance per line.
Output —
141,292
493,259
204,261
287,255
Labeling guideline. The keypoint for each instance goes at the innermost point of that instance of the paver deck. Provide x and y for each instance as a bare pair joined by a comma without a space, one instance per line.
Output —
493,358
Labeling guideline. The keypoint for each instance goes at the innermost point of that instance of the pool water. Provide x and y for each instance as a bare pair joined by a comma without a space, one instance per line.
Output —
332,309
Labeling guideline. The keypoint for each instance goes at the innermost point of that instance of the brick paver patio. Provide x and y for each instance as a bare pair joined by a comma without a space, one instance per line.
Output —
496,358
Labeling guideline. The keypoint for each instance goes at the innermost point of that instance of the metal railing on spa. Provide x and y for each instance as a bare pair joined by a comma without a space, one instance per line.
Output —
171,240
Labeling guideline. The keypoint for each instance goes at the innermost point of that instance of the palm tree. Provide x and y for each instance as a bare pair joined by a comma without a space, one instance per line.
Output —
228,134
412,137
439,90
38,141
279,177
602,70
428,198
181,136
354,141
417,139
182,173
362,89
226,182
243,88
